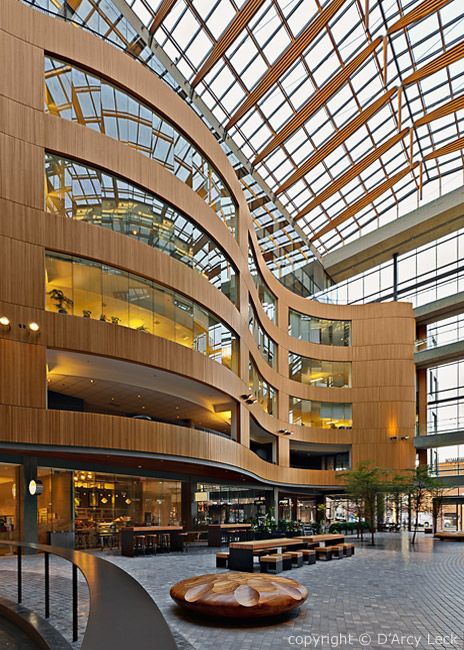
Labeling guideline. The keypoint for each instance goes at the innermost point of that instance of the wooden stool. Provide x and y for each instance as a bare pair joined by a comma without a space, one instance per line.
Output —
222,560
297,558
323,553
286,561
165,542
309,556
150,544
139,545
337,552
271,563
348,549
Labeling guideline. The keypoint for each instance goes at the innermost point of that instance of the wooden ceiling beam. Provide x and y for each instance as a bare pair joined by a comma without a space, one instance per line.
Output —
447,58
241,20
336,140
317,101
363,201
283,63
164,8
443,110
351,173
426,8
451,147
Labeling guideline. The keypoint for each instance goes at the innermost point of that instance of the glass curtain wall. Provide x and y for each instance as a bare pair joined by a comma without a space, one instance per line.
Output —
427,273
87,194
445,398
74,94
324,374
265,394
90,289
319,330
320,415
266,345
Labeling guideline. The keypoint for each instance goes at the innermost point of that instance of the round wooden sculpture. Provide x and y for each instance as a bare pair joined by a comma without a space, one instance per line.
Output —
239,595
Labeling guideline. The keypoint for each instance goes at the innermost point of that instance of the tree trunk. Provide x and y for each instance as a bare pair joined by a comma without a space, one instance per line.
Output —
416,520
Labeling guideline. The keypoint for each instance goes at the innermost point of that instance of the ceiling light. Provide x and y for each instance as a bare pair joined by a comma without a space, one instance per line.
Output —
34,327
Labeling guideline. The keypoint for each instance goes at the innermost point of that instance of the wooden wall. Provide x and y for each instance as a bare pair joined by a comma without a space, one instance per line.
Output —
383,373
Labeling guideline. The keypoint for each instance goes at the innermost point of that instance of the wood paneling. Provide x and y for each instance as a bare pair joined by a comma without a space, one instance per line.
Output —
382,334
23,378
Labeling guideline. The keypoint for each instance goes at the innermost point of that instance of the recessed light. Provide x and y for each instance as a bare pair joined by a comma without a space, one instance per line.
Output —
92,380
34,327
139,396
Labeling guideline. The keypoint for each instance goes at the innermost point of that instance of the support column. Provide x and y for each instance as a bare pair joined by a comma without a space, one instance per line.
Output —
188,503
243,425
283,451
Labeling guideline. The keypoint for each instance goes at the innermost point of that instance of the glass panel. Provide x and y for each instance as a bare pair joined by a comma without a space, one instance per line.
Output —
87,282
265,394
59,284
74,94
325,374
140,304
321,415
319,330
88,194
115,290
92,290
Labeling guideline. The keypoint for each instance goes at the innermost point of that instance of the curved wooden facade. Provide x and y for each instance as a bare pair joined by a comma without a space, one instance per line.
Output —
382,391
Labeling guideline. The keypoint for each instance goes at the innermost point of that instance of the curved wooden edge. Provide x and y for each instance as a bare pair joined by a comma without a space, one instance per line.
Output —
121,611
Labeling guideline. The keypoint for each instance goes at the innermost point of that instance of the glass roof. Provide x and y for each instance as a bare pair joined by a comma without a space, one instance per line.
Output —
328,101
342,114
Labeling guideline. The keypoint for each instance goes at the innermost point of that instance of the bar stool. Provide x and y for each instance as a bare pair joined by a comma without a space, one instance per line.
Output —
139,545
164,542
150,544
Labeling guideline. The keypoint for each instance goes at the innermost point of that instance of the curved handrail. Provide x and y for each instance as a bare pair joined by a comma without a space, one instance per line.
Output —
121,611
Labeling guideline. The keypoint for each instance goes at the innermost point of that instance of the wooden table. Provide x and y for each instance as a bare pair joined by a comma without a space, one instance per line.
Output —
241,553
128,534
322,540
216,532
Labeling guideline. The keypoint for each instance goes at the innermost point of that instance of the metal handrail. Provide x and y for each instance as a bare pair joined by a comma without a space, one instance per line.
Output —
121,611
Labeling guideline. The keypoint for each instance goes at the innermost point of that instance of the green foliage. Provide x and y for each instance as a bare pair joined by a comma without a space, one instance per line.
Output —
347,527
363,485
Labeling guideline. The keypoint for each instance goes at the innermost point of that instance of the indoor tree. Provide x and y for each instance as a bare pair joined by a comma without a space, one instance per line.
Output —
364,485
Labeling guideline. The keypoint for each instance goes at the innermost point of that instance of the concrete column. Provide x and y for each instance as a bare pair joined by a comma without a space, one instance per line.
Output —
188,503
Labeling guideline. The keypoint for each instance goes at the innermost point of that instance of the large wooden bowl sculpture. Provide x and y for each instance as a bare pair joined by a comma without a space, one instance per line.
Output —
239,595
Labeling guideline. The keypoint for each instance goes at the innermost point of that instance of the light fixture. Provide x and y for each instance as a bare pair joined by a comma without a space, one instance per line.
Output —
34,327
128,501
104,500
5,323
404,438
286,432
251,400
247,396
393,437
35,488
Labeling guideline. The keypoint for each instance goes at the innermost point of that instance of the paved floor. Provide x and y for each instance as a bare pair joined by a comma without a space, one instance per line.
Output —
390,596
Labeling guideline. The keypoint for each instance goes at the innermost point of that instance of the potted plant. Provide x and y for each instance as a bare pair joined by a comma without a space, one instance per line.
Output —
115,320
86,313
60,300
103,317
141,328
